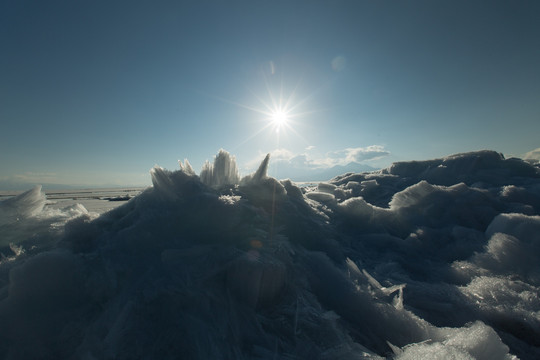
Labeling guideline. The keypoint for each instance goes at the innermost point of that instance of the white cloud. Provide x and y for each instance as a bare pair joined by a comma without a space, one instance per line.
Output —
532,155
333,158
286,164
282,154
358,155
276,155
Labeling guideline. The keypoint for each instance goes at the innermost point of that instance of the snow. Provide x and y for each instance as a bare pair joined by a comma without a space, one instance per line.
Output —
434,259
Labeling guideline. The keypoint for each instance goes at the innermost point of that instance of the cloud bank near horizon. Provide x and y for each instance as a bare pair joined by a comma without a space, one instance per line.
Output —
359,154
306,166
284,163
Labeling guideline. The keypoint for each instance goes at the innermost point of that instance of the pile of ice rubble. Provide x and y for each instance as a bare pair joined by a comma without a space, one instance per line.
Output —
432,259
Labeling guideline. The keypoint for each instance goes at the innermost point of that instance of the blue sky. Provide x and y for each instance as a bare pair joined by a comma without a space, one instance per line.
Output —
97,92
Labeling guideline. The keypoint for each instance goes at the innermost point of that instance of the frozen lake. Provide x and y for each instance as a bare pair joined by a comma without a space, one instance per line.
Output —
94,200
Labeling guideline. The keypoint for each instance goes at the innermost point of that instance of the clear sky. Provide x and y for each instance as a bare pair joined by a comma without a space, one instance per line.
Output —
97,92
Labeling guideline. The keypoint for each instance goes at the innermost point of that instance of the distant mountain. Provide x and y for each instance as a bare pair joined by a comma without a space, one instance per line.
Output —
352,167
532,156
286,171
13,186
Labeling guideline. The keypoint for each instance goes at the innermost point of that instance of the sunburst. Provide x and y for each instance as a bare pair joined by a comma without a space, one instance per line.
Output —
280,113
279,119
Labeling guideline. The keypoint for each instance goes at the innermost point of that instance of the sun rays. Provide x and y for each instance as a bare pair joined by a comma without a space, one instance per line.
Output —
279,114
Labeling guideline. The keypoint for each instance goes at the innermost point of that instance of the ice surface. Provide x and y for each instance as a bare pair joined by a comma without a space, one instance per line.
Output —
431,259
24,220
25,205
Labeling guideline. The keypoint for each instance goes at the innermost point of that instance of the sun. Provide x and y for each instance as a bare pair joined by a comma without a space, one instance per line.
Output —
279,111
279,118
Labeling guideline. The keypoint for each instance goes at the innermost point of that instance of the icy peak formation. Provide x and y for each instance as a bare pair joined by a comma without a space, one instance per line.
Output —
431,259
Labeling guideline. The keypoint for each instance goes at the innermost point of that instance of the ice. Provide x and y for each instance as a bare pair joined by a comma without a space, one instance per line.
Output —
320,196
26,222
256,279
481,166
222,172
524,227
49,281
186,167
25,205
430,259
261,172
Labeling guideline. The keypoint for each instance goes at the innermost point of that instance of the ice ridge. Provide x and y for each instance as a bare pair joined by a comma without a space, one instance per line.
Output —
415,261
